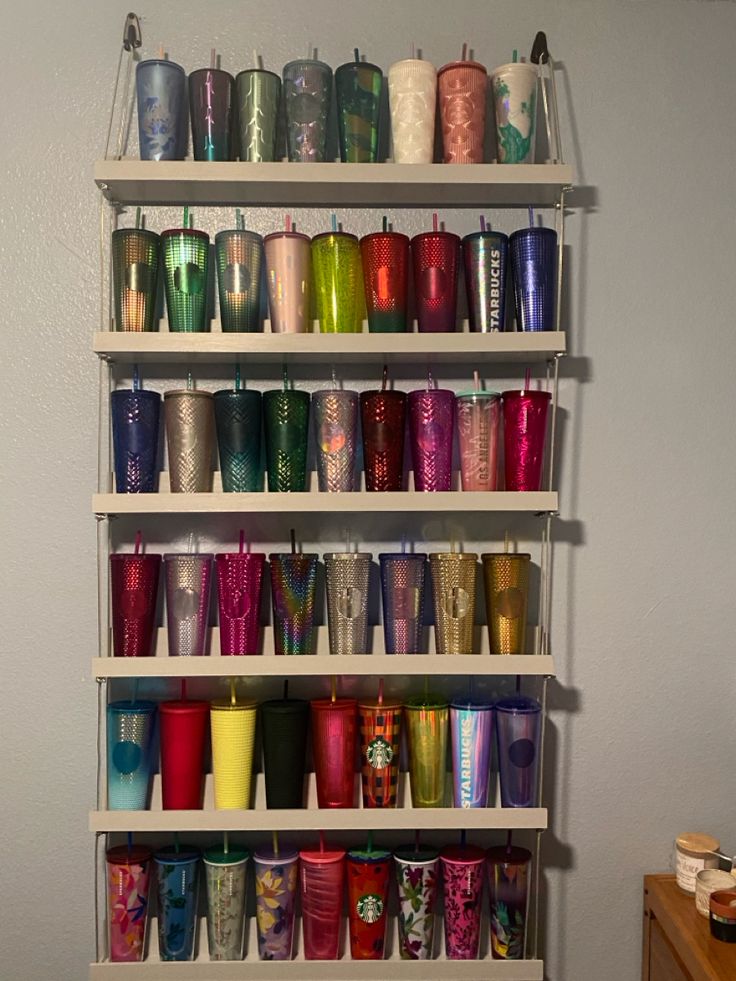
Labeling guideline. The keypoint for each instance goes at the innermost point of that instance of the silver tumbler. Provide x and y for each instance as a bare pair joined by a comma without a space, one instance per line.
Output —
347,601
335,415
188,579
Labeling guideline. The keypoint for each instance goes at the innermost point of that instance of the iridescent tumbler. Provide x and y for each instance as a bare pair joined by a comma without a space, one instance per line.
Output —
435,257
338,283
211,108
161,94
383,422
239,256
286,427
379,732
385,261
347,574
533,254
334,725
402,587
461,89
135,264
508,882
431,428
322,877
258,96
135,425
427,723
190,436
358,87
471,730
239,583
335,415
462,873
293,582
485,255
238,426
128,873
518,733
130,730
307,92
478,422
506,578
453,589
289,279
524,436
133,593
188,579
186,260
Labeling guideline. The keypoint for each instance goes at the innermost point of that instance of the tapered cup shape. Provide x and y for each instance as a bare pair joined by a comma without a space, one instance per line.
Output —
334,729
431,428
379,731
485,255
462,105
534,267
286,418
211,106
188,581
417,875
427,720
130,738
186,267
128,875
453,588
435,257
233,729
402,588
285,723
462,872
348,575
177,880
506,581
258,94
239,586
335,416
368,874
385,261
524,438
133,593
238,427
135,428
412,93
276,888
135,268
307,94
190,437
289,280
338,283
471,729
322,881
358,86
514,101
184,729
163,116
383,423
508,887
478,423
226,880
293,591
239,258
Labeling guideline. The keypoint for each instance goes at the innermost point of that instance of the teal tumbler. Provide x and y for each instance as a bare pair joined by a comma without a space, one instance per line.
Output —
186,261
238,425
286,426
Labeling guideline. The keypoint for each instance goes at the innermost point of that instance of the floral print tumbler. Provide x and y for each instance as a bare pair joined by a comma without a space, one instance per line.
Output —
276,882
128,872
225,873
416,876
462,871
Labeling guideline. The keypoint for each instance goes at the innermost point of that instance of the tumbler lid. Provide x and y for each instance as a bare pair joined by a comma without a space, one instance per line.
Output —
422,856
159,61
326,857
198,393
475,705
122,855
140,557
532,393
480,394
245,556
469,854
462,64
273,235
536,231
358,64
170,856
184,708
390,556
376,855
225,705
306,61
513,855
258,71
515,66
518,705
454,556
488,233
184,556
196,232
242,393
438,234
132,706
321,704
347,556
143,232
233,856
238,231
373,703
429,701
506,555
267,854
212,71
290,556
285,706
335,235
393,235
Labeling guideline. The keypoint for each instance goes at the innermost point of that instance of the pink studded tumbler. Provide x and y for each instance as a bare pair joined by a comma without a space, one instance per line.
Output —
431,418
239,579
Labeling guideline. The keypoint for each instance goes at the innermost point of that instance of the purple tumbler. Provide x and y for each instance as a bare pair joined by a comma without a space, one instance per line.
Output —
471,731
431,425
533,254
239,579
402,586
518,733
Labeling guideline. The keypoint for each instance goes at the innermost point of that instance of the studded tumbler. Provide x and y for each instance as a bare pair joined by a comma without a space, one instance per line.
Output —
461,90
289,280
307,94
435,257
293,586
135,426
286,428
358,87
186,264
258,97
238,427
431,428
348,575
163,114
239,258
188,579
385,261
453,589
485,256
533,253
506,580
337,278
426,727
335,416
334,725
233,727
239,585
135,264
285,722
518,733
412,92
130,730
211,108
190,437
524,436
379,734
402,588
478,422
128,874
383,422
133,594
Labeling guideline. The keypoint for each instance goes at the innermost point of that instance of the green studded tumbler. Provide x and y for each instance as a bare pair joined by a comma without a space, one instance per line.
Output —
358,86
337,275
186,254
286,425
135,253
239,256
238,425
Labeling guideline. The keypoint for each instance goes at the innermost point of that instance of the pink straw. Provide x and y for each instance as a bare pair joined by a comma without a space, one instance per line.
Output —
482,223
435,222
527,379
321,841
242,541
138,542
287,222
380,691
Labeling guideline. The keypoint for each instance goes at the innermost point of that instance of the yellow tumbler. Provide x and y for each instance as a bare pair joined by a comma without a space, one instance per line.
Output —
453,589
506,577
233,727
427,722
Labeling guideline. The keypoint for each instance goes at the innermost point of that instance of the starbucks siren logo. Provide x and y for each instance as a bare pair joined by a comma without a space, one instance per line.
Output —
370,908
379,753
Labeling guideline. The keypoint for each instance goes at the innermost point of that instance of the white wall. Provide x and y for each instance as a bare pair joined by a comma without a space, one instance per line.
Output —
643,593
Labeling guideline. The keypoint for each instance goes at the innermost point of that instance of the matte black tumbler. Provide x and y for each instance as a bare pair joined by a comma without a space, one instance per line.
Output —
284,730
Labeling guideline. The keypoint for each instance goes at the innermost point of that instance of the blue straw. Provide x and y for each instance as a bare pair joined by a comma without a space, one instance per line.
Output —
334,222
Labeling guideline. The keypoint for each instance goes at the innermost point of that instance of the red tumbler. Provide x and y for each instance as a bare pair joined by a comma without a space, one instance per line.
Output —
239,579
368,877
383,421
322,876
524,436
183,738
435,256
133,590
334,729
386,277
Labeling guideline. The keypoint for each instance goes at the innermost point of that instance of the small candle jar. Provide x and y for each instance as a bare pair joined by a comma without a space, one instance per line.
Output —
694,852
723,915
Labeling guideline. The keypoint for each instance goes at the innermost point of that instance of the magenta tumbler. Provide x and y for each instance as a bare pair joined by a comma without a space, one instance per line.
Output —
435,260
431,418
524,436
462,872
322,875
239,579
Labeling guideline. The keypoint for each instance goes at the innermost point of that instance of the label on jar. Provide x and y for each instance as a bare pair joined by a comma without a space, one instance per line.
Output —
688,866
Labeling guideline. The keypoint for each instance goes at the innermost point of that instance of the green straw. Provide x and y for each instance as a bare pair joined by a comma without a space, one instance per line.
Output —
237,377
515,56
185,223
138,217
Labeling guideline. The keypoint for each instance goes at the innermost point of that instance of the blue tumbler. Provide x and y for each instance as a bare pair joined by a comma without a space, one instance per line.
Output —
130,727
163,118
534,268
135,426
177,880
402,587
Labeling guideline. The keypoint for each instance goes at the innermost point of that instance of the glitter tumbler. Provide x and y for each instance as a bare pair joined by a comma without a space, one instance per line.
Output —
135,424
335,415
161,94
183,734
226,881
431,427
461,89
533,254
385,261
383,421
485,255
135,258
435,259
402,588
462,874
514,99
518,733
293,582
307,94
334,726
417,877
286,427
233,727
358,88
238,427
508,885
190,436
478,418
524,436
289,280
211,109
177,880
412,93
258,93
322,878
188,579
347,575
379,732
506,579
130,729
368,881
284,735
133,594
427,722
239,584
276,884
453,589
128,874
186,261
239,257
338,283
471,734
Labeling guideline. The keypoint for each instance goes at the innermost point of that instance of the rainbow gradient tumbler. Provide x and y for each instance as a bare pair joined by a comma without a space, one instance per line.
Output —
293,588
471,732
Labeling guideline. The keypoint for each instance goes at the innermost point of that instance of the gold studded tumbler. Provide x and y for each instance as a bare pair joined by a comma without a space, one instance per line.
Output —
453,589
190,439
506,578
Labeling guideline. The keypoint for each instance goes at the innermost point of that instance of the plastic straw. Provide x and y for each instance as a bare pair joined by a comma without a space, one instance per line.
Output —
334,222
413,50
285,376
482,223
476,381
176,842
138,541
465,51
190,382
333,687
527,379
237,377
233,693
462,837
161,52
185,221
286,688
531,217
134,693
357,54
416,842
213,58
183,690
430,379
403,543
287,222
256,59
321,841
384,223
515,56
275,842
241,541
384,380
334,377
138,217
293,541
369,844
380,691
130,843
506,541
225,842
136,378
237,218
190,544
435,222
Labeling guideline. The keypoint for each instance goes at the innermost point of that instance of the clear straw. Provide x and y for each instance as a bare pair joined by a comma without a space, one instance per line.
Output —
213,58
190,382
285,376
275,843
233,693
138,542
476,381
334,222
237,377
136,379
